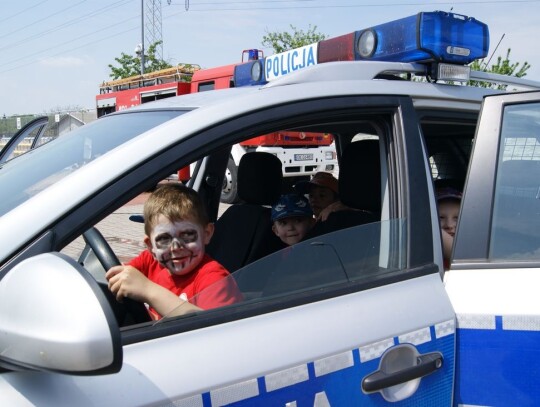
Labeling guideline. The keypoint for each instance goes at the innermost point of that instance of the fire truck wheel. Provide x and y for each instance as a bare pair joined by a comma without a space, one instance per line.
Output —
229,192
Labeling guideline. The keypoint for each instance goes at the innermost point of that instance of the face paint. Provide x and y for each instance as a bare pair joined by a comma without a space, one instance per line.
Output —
179,246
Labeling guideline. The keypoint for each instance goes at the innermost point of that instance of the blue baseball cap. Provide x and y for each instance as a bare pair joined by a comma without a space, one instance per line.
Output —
291,205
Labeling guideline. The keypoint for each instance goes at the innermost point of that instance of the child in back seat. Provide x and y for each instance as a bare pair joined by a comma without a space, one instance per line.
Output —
292,218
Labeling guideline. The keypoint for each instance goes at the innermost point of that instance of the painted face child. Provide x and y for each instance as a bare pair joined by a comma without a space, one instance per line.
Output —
180,245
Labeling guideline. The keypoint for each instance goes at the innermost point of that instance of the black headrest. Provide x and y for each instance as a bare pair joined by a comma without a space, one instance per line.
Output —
360,176
259,178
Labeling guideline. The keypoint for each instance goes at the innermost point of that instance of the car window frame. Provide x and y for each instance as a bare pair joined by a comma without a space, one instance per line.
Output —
405,159
472,241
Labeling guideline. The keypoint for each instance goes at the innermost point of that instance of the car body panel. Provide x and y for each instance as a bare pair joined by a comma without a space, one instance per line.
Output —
496,299
230,366
312,346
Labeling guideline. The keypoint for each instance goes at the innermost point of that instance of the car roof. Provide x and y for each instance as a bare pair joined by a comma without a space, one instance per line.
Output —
332,78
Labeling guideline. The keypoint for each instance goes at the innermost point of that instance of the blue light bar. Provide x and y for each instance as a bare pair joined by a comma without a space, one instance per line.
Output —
249,73
426,37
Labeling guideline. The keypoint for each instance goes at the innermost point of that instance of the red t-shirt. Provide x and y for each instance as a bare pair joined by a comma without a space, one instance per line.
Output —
210,278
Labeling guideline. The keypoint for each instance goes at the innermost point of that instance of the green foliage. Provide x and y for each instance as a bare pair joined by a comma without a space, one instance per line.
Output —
503,67
131,65
285,41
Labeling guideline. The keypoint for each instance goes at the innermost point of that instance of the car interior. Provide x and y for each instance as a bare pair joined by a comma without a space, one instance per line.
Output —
363,243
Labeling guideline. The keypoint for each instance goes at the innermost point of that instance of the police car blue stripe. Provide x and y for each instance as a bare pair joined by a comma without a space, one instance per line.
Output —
336,380
417,337
521,322
194,401
333,363
512,347
445,328
286,378
474,321
234,393
375,350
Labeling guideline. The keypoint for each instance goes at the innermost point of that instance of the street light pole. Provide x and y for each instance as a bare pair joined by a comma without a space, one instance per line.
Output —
142,37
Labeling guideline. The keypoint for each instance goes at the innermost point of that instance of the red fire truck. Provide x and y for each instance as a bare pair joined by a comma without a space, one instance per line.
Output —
301,153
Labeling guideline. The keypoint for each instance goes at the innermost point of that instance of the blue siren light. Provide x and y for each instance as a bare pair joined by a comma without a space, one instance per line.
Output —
249,74
426,37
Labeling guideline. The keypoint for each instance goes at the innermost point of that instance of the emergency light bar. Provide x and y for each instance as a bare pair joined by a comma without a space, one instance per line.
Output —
427,37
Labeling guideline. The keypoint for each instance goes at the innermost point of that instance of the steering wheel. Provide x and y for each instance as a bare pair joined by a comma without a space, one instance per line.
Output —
128,310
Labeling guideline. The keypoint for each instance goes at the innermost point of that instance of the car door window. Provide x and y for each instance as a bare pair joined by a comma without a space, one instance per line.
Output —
358,253
515,233
351,255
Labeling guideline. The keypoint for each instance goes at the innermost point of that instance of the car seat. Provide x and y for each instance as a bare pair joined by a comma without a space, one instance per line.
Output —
243,233
329,255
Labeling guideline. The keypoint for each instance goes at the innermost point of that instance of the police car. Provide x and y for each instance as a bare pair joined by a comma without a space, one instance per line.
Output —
362,313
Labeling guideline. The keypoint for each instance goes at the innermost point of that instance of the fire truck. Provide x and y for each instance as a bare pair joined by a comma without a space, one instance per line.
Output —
302,154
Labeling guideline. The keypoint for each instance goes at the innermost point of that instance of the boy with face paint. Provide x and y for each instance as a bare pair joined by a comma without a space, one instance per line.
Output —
175,276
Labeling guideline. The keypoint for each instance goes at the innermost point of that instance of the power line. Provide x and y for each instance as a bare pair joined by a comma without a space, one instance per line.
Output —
66,24
71,41
244,2
22,11
42,19
109,37
453,3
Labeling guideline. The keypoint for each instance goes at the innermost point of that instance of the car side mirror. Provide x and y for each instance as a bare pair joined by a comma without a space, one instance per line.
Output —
55,317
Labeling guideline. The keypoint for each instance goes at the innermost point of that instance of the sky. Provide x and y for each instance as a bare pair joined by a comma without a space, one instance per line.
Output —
54,54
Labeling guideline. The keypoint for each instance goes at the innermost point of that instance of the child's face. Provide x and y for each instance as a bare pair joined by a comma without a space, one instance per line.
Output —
292,230
320,198
179,245
448,215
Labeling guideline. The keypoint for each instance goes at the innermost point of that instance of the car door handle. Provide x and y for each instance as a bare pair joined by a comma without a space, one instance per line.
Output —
379,380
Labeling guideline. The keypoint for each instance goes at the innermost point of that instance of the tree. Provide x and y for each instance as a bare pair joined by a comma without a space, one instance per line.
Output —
131,65
503,67
285,41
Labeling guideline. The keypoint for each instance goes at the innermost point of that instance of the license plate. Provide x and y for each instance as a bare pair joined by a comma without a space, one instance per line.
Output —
303,157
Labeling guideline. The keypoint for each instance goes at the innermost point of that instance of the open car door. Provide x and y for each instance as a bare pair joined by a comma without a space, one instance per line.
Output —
494,277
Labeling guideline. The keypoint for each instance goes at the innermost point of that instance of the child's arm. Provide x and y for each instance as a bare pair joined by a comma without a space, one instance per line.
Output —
333,207
447,243
127,281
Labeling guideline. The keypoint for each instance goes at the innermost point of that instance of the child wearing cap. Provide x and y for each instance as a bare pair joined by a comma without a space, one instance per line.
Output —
292,218
448,203
322,191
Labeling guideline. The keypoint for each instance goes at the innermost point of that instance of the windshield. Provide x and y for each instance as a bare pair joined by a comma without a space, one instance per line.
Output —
34,171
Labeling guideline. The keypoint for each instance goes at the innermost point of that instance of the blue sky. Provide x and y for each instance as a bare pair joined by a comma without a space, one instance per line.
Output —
56,53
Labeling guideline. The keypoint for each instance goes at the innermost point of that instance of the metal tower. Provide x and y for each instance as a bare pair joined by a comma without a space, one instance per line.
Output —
152,25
